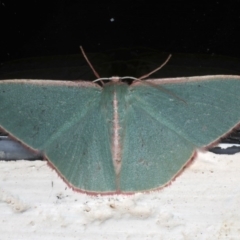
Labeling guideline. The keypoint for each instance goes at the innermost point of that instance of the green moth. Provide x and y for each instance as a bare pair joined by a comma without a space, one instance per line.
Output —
119,137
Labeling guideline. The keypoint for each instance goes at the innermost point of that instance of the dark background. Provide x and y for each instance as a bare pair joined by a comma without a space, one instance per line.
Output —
59,27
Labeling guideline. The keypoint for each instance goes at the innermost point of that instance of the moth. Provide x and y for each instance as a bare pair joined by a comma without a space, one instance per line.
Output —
118,137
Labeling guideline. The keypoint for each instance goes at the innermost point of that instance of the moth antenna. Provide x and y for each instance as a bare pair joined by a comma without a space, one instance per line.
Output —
128,77
115,79
90,65
147,75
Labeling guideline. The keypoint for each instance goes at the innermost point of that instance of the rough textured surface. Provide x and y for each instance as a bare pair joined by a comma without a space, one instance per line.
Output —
201,203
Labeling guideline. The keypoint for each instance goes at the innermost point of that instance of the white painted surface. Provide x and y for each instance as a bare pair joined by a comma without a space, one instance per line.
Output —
202,203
